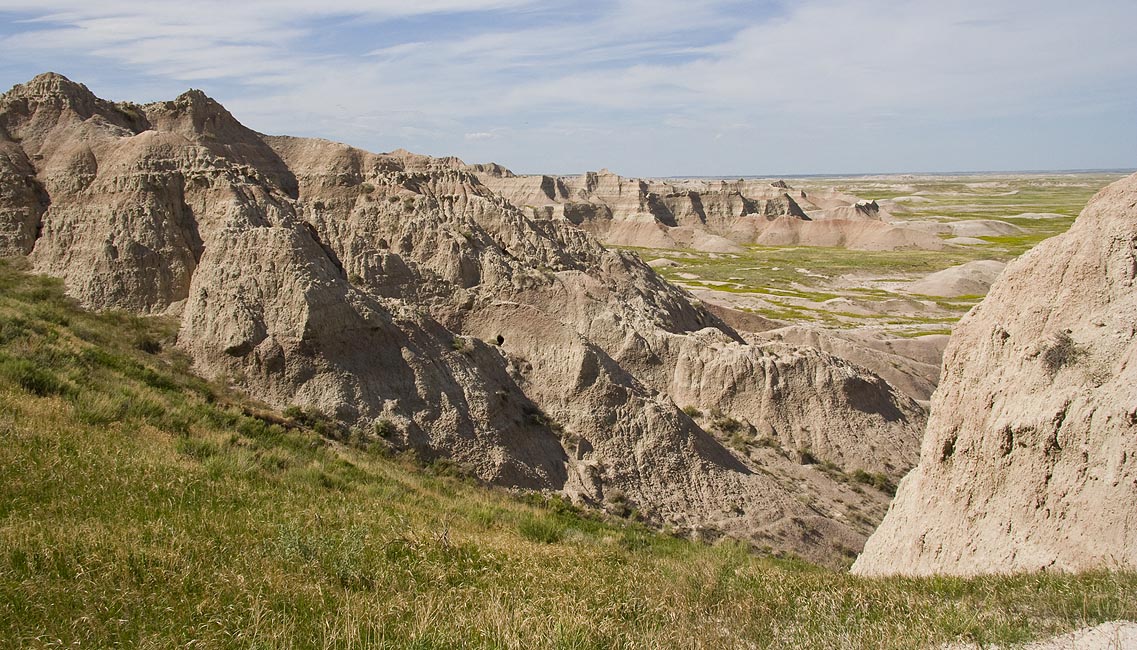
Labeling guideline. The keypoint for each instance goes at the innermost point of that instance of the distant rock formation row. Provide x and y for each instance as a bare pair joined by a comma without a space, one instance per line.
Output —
710,216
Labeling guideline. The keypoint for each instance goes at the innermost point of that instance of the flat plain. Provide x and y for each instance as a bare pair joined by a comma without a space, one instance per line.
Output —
980,217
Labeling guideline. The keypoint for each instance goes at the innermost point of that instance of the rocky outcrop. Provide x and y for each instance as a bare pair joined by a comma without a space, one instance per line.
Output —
858,234
398,291
710,216
969,279
1030,457
911,365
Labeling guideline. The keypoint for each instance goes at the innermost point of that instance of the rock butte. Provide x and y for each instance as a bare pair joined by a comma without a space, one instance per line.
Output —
1030,457
710,216
377,287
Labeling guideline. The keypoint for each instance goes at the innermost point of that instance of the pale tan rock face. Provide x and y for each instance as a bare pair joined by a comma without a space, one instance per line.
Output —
22,201
972,278
912,365
709,216
1030,457
377,287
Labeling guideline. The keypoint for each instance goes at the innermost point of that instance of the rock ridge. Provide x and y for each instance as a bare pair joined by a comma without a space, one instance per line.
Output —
400,293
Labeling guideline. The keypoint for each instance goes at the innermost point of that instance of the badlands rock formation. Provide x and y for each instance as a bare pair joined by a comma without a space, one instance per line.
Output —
1030,457
400,290
969,279
911,365
711,216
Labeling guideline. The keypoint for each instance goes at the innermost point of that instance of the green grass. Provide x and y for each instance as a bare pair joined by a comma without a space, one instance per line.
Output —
775,267
1060,194
141,506
808,276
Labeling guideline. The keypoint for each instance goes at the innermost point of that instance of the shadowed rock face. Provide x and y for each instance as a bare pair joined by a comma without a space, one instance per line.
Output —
398,287
1030,457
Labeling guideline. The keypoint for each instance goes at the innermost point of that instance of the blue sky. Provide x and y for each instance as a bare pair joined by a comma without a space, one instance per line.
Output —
644,87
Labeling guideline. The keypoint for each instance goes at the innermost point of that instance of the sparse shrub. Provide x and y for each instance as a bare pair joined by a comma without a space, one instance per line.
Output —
150,377
768,442
541,529
728,425
34,379
99,409
12,329
635,537
330,481
51,314
692,412
555,503
459,344
314,419
1061,351
444,466
385,428
367,188
884,484
805,456
485,516
131,111
535,416
147,344
570,439
875,479
198,449
739,441
561,505
830,467
618,504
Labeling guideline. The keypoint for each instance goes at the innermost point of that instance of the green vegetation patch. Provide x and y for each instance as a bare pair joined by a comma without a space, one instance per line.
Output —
795,282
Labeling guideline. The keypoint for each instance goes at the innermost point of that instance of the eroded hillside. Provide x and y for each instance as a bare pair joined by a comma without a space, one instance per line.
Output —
399,292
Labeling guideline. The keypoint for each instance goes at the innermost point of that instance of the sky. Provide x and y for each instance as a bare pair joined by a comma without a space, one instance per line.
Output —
643,87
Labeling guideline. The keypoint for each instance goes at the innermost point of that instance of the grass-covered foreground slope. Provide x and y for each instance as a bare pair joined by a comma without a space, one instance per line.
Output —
143,507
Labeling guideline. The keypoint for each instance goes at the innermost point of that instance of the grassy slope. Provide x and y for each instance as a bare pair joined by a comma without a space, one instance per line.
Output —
144,507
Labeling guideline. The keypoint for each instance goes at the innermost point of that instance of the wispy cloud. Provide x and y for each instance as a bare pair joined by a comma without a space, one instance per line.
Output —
646,86
480,135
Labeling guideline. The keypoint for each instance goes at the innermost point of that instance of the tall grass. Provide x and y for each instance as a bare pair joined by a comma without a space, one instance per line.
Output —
143,507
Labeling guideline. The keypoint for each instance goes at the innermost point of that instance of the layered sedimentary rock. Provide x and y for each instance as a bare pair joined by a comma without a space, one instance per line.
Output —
911,365
711,216
400,289
1030,457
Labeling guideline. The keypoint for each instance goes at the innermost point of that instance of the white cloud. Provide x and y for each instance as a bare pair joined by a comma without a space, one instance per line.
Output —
693,82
